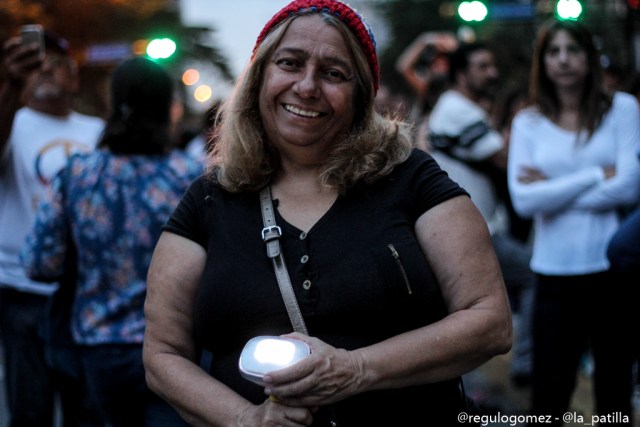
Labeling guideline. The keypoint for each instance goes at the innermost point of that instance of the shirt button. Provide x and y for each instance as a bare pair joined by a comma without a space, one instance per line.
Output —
303,235
306,285
304,259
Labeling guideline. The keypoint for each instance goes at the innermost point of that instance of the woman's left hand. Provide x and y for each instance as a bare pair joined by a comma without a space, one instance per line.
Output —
529,175
326,376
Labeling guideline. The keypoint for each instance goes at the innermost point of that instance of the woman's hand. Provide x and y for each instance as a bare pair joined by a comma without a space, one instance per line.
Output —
529,175
609,171
273,413
326,376
442,41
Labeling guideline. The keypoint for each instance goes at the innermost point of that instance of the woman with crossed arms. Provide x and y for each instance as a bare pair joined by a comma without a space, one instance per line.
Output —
572,167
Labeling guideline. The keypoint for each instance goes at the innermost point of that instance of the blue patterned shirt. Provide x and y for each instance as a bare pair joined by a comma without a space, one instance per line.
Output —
111,207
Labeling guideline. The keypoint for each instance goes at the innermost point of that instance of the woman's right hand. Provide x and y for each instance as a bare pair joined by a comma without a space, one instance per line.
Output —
272,413
609,171
528,175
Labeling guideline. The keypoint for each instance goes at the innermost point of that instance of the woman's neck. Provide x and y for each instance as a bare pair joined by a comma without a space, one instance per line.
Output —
569,98
569,111
302,198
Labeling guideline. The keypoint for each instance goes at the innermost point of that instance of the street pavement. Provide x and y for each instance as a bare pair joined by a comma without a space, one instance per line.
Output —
491,389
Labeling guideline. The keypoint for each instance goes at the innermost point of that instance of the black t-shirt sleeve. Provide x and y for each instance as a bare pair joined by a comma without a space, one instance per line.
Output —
187,219
430,183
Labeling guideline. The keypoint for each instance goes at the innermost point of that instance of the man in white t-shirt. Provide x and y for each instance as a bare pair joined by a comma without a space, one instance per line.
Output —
38,132
474,154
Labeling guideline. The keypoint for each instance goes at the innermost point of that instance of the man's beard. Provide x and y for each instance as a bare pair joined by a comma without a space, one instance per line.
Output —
486,91
45,91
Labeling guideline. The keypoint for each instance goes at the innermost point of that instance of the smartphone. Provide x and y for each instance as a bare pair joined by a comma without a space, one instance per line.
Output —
33,33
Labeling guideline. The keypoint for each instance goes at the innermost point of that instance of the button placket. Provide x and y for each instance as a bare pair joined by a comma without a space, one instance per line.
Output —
304,259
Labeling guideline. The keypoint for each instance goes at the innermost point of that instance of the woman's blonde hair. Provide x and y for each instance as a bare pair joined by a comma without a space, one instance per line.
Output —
244,160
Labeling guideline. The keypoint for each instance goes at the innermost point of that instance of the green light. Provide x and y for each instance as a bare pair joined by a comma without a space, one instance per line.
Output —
568,9
473,11
161,48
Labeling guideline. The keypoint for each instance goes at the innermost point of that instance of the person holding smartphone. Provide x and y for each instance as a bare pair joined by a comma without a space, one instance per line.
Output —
39,130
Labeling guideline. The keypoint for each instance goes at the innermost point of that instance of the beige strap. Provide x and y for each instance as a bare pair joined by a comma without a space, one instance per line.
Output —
271,235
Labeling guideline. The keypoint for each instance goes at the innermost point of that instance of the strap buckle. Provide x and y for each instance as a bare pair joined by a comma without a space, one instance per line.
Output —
271,233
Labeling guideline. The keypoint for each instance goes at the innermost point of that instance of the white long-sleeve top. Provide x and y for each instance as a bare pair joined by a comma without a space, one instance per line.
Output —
575,210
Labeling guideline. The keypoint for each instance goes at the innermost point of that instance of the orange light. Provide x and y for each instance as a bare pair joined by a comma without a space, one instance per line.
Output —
139,47
190,77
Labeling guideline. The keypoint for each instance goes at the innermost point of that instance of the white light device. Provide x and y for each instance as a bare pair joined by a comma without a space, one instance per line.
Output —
265,354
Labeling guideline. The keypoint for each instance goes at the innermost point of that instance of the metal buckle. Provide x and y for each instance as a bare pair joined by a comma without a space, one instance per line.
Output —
270,233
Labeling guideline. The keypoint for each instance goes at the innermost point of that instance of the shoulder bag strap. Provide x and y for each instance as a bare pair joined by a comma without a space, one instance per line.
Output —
271,235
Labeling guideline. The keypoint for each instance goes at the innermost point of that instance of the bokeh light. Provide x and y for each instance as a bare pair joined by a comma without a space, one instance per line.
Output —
203,93
190,77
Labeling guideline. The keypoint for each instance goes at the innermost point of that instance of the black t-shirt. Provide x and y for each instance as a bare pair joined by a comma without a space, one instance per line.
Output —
359,276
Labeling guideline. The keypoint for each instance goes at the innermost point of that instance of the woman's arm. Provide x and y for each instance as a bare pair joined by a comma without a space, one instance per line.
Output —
542,194
456,242
409,58
457,245
43,254
170,355
407,61
623,187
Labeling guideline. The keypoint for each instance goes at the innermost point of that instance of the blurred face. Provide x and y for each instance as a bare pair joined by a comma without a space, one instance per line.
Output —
308,87
440,65
481,73
565,61
55,79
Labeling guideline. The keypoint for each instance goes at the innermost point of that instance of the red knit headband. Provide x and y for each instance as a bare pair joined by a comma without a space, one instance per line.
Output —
343,12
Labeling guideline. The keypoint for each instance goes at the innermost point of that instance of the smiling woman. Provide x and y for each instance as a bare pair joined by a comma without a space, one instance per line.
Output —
307,95
371,229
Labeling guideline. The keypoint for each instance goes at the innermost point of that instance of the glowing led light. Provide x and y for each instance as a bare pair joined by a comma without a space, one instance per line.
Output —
569,9
472,11
277,352
161,48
